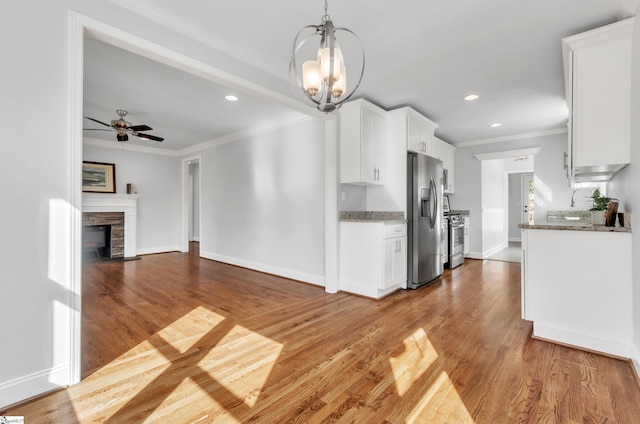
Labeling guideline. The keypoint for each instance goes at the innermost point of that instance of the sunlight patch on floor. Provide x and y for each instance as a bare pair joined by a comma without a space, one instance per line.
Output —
242,375
418,355
224,368
187,396
440,403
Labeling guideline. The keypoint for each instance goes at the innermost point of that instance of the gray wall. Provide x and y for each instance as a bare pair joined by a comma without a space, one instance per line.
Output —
552,188
157,180
263,201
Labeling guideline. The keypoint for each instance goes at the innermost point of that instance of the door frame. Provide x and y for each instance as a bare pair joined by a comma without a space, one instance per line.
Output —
81,26
186,218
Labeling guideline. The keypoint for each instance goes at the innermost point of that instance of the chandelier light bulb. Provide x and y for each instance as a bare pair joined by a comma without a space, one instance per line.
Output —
339,87
311,80
329,74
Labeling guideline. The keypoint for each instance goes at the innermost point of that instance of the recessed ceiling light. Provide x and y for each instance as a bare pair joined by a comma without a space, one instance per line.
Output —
496,125
471,97
231,98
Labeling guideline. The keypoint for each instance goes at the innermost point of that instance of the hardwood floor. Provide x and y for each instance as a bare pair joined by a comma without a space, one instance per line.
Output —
174,338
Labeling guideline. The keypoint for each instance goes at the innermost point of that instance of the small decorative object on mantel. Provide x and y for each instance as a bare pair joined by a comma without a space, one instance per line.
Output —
98,177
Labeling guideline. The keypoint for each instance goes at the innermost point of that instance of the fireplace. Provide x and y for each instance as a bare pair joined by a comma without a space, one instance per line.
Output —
96,242
117,211
103,235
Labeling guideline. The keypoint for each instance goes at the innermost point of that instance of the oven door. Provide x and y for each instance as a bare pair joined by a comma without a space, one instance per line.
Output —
456,239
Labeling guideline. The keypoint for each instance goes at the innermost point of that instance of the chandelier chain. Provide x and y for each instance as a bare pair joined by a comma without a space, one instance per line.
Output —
326,17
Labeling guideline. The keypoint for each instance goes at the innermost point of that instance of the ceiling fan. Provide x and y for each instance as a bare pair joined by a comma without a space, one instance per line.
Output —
124,128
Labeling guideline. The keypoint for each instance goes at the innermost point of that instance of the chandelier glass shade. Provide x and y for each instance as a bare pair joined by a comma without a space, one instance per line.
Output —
317,68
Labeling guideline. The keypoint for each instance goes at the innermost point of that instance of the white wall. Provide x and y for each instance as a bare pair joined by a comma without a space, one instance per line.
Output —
515,202
34,170
494,229
156,179
40,171
624,186
263,202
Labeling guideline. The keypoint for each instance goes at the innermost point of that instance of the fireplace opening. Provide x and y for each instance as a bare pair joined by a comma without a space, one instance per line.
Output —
96,242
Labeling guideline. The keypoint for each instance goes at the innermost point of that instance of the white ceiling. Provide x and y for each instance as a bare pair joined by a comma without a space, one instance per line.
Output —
427,55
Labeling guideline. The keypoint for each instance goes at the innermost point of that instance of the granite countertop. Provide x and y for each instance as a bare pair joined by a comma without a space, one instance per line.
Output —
372,216
461,212
573,227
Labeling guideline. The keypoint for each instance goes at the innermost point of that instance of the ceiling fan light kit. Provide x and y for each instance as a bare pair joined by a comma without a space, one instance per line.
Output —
124,128
323,78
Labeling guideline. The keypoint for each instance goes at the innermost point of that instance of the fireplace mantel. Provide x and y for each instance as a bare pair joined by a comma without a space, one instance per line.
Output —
107,202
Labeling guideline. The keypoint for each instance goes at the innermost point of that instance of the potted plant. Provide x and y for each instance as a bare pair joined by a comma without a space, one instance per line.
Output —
600,205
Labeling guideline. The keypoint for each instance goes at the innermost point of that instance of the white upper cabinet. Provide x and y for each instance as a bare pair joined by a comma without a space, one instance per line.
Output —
414,129
446,153
598,89
363,137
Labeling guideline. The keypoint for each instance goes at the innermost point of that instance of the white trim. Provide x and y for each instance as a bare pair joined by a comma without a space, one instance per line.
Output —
595,342
522,136
635,359
75,82
493,251
184,236
30,385
239,135
159,249
505,154
331,206
317,280
474,255
515,239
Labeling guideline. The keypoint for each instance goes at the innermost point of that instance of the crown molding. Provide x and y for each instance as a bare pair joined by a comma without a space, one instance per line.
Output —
513,137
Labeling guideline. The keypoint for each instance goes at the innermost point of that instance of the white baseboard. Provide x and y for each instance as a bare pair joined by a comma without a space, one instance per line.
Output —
516,239
474,255
595,342
635,360
162,249
317,280
28,386
493,251
196,238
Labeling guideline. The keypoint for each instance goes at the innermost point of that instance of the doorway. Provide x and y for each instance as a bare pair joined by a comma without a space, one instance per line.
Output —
192,168
519,209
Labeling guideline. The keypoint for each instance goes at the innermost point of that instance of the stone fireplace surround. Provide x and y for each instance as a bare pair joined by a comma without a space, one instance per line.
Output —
103,208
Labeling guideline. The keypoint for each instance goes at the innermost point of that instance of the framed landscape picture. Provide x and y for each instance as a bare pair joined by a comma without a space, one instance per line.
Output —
98,177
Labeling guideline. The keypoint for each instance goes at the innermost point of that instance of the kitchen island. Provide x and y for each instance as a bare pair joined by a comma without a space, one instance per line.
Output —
576,285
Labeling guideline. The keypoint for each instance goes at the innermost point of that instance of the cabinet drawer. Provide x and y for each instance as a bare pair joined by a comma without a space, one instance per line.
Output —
395,230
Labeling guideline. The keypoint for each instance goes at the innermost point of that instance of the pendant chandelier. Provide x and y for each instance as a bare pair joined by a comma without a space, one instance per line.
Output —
322,78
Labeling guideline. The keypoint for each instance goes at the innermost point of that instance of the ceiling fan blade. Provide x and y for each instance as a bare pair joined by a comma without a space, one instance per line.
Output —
148,137
99,122
137,128
122,137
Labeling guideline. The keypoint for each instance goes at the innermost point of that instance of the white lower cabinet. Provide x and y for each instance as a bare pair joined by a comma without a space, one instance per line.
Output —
373,258
577,288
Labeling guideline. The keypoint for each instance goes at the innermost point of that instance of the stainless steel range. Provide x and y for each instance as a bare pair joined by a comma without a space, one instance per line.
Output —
456,240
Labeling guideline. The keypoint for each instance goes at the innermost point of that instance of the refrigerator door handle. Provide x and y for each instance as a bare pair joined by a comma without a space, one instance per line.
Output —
434,203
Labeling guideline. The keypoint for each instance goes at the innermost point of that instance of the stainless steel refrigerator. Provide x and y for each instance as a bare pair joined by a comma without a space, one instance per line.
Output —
424,219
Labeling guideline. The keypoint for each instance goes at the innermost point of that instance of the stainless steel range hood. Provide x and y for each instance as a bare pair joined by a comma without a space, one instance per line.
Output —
598,173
